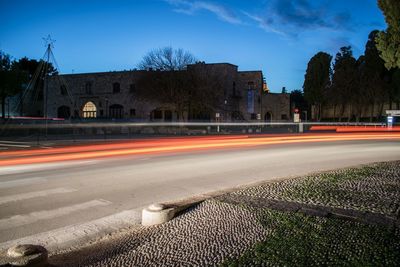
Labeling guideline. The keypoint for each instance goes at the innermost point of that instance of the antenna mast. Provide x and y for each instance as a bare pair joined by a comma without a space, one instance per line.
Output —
49,43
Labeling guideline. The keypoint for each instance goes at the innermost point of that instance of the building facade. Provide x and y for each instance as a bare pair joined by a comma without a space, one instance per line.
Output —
114,95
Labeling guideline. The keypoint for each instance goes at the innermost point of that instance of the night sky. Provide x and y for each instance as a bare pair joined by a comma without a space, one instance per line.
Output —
277,36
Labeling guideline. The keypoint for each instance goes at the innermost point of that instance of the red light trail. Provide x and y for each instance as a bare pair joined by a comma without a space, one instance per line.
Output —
175,145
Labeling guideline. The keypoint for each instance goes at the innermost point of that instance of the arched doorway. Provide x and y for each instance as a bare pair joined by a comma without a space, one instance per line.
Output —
268,117
116,111
63,112
89,110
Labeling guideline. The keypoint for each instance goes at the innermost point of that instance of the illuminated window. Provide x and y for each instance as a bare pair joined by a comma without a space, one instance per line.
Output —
89,110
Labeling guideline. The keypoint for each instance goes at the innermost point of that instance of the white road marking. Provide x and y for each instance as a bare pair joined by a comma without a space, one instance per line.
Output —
19,220
44,166
14,142
63,238
44,193
21,182
12,145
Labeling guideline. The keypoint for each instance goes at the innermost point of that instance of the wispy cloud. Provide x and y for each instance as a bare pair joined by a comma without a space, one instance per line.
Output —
264,23
287,18
294,16
191,7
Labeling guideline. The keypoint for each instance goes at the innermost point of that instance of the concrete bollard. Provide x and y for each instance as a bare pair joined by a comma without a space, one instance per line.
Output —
27,255
157,214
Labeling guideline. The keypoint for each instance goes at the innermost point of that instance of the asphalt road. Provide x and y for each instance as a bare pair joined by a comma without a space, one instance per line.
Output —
60,204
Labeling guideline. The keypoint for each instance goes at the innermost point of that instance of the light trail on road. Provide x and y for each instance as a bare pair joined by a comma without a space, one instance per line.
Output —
168,145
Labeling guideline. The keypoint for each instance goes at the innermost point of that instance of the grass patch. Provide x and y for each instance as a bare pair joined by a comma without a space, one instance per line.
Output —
300,240
374,188
295,239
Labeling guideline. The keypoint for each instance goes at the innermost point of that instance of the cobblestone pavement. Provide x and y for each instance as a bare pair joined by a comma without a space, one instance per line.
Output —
214,231
206,235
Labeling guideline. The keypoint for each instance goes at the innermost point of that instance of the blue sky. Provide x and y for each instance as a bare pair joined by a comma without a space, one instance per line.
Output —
277,36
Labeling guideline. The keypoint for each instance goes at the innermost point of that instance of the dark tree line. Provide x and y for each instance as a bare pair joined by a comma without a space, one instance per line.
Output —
388,41
351,86
360,84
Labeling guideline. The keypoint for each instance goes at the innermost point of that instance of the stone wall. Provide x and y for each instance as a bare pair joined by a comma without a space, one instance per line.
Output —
113,96
276,107
99,89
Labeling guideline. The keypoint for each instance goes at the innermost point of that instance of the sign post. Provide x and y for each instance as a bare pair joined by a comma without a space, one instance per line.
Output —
390,122
390,118
217,118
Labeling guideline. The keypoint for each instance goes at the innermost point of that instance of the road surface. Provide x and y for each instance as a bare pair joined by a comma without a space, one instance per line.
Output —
66,196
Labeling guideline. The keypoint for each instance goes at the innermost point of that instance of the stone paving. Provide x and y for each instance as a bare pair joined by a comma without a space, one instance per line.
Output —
206,235
218,230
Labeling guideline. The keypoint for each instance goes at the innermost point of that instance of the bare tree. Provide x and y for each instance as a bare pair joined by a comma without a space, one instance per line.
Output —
166,59
194,91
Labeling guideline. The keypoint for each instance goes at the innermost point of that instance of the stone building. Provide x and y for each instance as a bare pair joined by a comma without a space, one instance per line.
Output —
113,95
276,107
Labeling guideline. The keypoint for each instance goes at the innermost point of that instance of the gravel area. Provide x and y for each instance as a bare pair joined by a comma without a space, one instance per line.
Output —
373,188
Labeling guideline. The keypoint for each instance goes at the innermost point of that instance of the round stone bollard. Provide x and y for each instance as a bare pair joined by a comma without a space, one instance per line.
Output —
27,255
156,214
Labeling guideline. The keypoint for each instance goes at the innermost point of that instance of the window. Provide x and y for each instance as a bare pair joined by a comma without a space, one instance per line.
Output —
101,113
63,90
157,114
88,88
250,101
116,111
89,110
116,88
132,112
251,85
168,115
284,117
253,116
132,88
234,88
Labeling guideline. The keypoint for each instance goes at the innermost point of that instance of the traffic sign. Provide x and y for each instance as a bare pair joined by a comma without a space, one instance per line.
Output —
393,112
